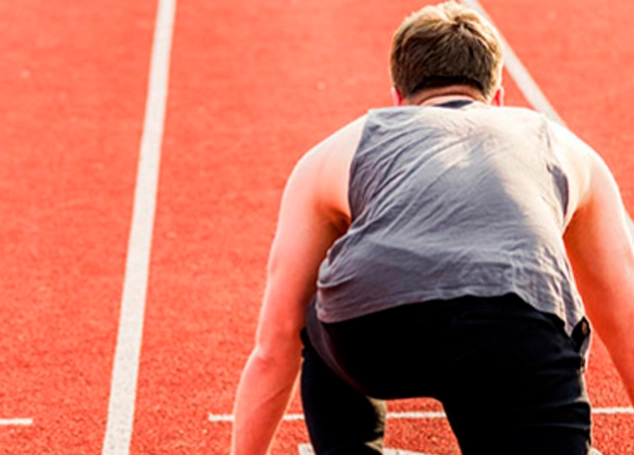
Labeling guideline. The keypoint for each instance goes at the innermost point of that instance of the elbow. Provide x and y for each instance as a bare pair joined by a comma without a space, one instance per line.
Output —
267,358
277,355
267,364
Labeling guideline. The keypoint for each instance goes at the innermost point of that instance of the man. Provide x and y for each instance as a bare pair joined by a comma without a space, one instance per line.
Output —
429,251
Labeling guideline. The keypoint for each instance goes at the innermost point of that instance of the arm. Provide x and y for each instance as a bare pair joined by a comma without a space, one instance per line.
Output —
313,214
601,253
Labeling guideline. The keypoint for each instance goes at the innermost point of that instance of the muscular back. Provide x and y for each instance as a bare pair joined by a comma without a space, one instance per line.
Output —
460,199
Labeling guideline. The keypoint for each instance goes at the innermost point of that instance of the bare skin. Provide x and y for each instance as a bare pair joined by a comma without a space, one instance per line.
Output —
315,212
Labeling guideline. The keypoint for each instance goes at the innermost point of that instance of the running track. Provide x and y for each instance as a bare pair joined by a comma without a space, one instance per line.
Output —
252,85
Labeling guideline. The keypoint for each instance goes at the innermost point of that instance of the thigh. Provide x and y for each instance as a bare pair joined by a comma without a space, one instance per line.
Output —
392,354
516,384
340,419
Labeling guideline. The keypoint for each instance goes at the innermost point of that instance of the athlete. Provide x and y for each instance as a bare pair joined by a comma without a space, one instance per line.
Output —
447,247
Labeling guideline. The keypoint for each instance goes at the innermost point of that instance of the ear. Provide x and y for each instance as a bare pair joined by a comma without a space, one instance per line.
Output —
498,98
397,98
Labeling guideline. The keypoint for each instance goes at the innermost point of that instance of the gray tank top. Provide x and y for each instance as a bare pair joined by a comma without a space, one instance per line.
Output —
447,201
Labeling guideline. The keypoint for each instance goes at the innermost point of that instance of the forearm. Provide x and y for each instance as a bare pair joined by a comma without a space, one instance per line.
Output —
623,359
265,389
618,336
613,320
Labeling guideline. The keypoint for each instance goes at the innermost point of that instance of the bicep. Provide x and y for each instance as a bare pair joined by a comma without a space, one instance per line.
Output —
305,232
599,244
314,213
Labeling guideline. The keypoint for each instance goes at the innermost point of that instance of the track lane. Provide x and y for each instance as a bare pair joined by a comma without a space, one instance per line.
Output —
72,80
254,85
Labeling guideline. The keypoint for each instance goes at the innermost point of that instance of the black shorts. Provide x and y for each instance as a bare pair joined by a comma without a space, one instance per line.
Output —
509,377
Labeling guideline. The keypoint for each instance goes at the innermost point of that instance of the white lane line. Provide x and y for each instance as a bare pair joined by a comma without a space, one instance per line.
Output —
614,411
16,422
526,83
126,361
418,415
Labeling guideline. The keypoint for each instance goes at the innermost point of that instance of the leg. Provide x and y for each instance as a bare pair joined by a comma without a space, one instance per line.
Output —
340,419
516,384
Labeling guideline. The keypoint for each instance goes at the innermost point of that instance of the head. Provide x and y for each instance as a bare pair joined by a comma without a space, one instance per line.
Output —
443,47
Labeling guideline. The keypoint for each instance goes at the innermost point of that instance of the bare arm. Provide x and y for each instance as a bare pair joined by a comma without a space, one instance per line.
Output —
313,215
601,252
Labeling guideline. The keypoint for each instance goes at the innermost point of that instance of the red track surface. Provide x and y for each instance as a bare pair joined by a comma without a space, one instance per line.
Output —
253,86
73,83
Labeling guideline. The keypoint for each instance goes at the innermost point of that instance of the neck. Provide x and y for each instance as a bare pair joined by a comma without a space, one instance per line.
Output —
445,99
445,95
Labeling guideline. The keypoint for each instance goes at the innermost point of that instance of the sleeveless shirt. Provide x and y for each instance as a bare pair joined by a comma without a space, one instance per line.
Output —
447,201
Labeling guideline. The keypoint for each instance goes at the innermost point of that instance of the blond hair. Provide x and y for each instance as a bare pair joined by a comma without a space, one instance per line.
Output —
443,45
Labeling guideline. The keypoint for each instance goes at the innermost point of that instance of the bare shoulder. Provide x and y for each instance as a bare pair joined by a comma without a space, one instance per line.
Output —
588,173
597,236
578,160
326,167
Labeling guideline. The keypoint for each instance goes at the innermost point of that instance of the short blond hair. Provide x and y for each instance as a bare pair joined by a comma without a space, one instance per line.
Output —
443,45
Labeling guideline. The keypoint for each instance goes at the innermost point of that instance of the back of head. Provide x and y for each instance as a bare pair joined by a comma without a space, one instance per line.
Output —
443,45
